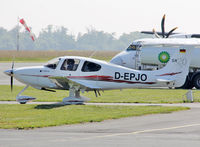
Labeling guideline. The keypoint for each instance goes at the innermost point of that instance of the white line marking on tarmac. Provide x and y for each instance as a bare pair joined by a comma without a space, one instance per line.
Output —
137,132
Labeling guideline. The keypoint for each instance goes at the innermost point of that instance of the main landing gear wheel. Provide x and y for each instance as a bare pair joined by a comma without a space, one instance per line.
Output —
74,98
196,81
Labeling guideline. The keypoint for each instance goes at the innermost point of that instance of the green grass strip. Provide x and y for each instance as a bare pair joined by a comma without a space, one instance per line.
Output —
111,96
37,116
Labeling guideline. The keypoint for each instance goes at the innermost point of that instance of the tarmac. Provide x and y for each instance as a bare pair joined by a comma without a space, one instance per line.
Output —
158,130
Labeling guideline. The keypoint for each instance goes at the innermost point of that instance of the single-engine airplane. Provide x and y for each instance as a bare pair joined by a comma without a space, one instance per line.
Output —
79,74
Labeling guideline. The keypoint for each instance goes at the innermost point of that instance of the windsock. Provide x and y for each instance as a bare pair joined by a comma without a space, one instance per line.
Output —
27,28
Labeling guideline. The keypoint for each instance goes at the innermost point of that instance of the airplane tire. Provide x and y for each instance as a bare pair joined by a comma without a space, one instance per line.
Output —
22,102
196,81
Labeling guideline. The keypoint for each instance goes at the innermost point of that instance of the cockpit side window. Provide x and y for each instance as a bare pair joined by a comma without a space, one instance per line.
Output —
70,64
133,47
52,63
90,67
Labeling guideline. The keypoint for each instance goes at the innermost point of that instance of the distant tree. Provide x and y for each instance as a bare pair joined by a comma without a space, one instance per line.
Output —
57,39
126,39
95,40
25,41
8,39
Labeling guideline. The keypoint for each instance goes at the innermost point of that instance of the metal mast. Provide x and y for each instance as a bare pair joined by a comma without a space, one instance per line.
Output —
17,33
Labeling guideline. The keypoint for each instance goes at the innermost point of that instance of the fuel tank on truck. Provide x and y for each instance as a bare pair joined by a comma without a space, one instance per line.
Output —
153,55
161,55
156,55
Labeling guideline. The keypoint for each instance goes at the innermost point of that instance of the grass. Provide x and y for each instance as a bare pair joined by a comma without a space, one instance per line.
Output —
115,96
43,56
37,116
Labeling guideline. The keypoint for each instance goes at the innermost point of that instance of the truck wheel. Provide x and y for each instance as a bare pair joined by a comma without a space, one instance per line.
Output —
196,81
187,85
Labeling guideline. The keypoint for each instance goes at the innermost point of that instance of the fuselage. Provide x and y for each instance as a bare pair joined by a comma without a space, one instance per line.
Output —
97,74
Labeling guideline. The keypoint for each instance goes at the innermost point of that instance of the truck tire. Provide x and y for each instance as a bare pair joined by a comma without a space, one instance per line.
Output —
196,81
187,85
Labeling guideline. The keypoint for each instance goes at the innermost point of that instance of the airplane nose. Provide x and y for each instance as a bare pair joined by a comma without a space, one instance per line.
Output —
8,72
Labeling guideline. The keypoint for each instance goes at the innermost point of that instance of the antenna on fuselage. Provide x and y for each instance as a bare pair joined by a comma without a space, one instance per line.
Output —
93,54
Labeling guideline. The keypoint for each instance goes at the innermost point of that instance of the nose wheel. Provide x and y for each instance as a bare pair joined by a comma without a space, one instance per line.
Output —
22,99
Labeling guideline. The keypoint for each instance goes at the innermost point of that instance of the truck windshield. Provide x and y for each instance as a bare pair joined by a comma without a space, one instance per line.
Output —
133,47
52,63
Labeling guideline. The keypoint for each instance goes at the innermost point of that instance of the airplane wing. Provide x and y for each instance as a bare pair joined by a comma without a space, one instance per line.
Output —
66,83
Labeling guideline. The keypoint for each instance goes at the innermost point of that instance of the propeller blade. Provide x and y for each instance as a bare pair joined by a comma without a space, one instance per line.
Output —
163,26
155,33
150,32
146,32
13,65
170,32
11,83
11,76
195,36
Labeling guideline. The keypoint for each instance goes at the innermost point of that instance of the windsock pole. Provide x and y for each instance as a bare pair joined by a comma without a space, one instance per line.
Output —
17,33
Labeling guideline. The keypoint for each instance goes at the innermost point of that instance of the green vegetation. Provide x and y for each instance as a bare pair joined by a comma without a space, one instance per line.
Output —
7,59
36,116
44,56
116,96
59,38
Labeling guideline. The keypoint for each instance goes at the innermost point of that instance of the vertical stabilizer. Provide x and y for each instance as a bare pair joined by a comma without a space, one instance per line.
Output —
177,68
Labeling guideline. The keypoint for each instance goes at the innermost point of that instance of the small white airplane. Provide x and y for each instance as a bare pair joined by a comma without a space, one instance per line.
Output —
77,74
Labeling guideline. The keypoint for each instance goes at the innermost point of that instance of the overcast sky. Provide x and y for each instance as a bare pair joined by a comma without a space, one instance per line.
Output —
108,15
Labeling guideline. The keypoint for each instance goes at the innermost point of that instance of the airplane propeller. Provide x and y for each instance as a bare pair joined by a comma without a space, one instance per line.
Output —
10,73
163,33
11,77
163,26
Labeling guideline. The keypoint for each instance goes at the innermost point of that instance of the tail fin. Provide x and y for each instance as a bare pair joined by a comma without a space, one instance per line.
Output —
177,68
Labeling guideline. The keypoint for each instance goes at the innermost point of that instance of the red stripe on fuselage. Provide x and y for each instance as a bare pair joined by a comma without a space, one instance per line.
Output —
170,74
45,76
106,79
97,78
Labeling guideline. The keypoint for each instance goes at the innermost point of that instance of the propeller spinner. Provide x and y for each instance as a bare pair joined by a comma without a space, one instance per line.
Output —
10,73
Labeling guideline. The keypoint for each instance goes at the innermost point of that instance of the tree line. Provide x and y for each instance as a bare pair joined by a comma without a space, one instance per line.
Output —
58,38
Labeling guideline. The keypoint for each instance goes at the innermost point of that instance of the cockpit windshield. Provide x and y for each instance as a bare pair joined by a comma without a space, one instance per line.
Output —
133,47
52,63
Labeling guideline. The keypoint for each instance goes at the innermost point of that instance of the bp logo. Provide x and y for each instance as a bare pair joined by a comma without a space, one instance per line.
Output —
164,57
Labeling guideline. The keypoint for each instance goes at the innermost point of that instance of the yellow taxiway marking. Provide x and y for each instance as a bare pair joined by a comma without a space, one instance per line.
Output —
138,132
